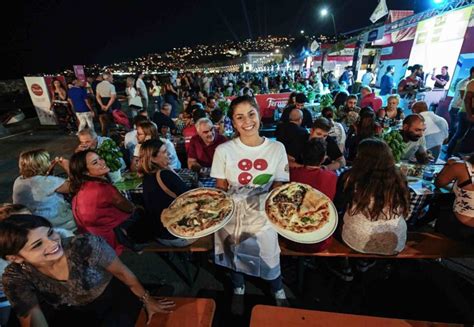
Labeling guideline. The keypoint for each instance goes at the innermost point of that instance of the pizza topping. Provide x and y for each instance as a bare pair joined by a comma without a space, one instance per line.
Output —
196,211
298,207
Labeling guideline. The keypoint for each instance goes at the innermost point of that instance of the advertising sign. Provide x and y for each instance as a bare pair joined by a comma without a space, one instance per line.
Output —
39,93
79,72
438,42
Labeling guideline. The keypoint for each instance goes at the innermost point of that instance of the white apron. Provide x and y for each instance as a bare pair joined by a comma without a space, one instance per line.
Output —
248,243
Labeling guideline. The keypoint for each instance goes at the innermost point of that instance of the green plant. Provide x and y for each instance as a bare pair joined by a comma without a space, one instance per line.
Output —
326,100
224,105
109,151
395,141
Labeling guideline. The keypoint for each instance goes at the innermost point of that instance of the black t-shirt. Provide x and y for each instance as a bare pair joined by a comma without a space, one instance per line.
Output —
156,199
293,138
332,150
443,78
160,119
307,118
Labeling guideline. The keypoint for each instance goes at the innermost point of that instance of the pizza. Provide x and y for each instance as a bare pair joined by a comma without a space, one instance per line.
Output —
196,211
298,208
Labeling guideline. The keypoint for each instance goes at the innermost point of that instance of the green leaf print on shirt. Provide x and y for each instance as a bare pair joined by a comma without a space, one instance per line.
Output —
262,179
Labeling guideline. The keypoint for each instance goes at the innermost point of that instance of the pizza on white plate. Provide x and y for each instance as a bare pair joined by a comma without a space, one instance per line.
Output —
298,208
196,211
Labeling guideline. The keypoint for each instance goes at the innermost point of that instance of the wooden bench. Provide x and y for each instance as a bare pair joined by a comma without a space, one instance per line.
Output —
201,246
204,244
189,312
418,246
268,316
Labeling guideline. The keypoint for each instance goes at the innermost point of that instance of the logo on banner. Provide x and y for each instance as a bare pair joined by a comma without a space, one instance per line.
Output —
276,103
37,90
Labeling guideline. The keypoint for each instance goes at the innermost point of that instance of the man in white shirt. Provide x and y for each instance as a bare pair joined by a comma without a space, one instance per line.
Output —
368,77
106,99
413,136
141,87
436,131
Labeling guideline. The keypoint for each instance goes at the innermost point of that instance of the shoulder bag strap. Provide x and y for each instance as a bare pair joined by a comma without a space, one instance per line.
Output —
163,186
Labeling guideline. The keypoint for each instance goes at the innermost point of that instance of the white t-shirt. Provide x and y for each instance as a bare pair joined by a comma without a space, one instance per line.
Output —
413,147
174,161
38,193
105,89
249,168
367,79
436,129
142,87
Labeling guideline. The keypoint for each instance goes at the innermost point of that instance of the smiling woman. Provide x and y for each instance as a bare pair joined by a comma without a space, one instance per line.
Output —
68,281
97,205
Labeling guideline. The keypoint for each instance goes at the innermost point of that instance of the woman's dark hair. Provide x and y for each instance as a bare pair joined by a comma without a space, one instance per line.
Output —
216,115
314,152
376,183
14,232
367,124
328,112
291,98
340,99
239,100
78,171
198,114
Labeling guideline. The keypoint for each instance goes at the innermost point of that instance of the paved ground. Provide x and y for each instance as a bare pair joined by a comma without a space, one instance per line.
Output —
415,289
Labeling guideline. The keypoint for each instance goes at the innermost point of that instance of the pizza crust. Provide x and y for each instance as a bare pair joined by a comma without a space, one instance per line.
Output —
196,211
298,208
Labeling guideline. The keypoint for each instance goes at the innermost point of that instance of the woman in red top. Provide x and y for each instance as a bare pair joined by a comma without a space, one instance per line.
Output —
98,206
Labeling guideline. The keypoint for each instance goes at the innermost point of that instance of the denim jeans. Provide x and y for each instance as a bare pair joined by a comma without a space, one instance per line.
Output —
462,128
238,280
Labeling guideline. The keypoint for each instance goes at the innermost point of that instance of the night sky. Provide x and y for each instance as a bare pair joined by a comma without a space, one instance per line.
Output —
46,35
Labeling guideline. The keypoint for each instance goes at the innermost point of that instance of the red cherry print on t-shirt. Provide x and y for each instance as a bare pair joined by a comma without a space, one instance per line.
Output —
260,164
245,164
245,178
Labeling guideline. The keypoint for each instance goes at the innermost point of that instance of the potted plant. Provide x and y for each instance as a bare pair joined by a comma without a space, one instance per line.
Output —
109,151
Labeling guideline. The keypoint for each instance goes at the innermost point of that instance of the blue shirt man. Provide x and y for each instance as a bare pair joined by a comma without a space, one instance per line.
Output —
387,84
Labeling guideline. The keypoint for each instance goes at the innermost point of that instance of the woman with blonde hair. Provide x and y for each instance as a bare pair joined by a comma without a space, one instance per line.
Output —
161,185
392,114
42,193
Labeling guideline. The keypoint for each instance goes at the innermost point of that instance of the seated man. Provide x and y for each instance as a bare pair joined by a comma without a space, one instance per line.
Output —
413,135
189,131
320,130
88,139
292,135
349,113
202,146
300,99
162,117
130,140
314,153
437,129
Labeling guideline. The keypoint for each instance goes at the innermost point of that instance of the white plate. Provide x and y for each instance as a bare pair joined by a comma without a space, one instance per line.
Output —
208,231
312,237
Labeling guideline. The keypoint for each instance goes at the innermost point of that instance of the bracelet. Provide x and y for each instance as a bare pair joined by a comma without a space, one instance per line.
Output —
145,297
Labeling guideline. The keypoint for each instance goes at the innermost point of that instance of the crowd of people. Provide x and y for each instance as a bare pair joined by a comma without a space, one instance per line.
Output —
62,235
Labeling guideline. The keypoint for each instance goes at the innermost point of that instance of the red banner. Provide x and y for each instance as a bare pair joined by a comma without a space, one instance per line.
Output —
269,102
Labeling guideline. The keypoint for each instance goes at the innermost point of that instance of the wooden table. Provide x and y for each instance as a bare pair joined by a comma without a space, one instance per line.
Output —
189,312
269,316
